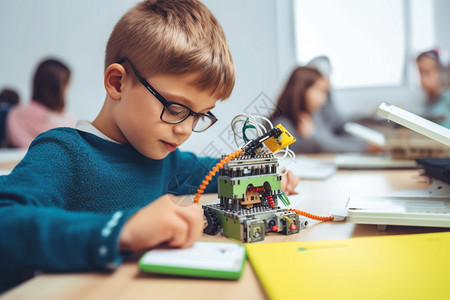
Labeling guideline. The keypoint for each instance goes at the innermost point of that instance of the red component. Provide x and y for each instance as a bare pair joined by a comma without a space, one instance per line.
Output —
274,228
256,189
270,199
293,227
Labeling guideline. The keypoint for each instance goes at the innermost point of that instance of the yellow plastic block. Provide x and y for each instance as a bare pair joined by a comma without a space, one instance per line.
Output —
285,139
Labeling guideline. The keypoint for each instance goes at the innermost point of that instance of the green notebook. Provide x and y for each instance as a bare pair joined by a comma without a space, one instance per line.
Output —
203,259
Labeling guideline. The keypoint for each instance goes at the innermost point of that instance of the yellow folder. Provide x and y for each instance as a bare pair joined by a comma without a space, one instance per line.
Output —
413,266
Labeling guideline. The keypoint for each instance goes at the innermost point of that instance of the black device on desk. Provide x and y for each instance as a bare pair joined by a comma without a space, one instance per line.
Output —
438,168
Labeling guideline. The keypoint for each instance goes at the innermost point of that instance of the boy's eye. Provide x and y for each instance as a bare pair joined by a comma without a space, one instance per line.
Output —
176,110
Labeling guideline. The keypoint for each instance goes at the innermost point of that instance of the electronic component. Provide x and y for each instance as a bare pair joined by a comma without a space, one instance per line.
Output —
280,142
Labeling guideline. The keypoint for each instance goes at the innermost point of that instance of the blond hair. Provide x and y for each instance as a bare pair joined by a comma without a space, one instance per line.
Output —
174,37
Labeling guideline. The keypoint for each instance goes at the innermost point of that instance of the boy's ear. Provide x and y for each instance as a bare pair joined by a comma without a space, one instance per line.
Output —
114,78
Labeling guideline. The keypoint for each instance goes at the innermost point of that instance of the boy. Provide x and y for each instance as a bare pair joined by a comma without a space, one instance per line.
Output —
82,196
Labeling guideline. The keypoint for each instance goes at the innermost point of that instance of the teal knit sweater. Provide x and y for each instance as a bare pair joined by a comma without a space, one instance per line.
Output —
63,206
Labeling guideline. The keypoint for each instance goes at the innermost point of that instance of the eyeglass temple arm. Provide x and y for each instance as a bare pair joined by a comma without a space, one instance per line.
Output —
142,80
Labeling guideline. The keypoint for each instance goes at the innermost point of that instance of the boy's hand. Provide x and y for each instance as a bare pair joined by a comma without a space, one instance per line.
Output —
289,182
162,222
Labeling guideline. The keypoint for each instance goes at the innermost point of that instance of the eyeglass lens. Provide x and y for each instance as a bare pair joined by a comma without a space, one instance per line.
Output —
174,113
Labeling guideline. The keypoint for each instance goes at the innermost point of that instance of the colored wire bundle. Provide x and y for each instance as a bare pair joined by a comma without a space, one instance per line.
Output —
284,199
242,123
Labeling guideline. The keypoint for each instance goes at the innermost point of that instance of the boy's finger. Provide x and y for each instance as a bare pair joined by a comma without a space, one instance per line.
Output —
179,232
194,218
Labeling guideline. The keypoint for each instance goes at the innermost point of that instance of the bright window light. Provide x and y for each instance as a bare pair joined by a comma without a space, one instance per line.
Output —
422,28
364,39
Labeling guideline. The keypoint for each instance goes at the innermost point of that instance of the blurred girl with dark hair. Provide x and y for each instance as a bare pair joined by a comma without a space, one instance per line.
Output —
299,110
46,110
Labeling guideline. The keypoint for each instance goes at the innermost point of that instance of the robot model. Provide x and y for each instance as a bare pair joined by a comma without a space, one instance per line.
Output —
249,188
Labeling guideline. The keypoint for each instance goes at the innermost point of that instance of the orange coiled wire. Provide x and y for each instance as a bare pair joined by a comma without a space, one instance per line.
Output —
213,172
311,216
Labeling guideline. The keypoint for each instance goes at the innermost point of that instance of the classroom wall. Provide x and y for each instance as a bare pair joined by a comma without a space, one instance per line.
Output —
442,22
259,32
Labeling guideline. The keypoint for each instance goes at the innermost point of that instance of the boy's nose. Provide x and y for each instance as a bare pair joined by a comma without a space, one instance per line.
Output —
185,127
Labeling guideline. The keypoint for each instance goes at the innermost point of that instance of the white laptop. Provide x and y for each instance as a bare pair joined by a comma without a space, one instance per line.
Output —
429,208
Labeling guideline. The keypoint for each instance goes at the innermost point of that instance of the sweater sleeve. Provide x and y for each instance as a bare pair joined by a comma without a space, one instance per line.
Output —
43,238
38,229
189,171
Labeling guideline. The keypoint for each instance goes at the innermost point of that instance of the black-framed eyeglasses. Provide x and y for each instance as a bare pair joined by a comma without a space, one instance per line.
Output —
173,112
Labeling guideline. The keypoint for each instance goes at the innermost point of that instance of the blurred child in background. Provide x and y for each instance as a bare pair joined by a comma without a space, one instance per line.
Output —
8,99
302,105
328,112
46,110
434,83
